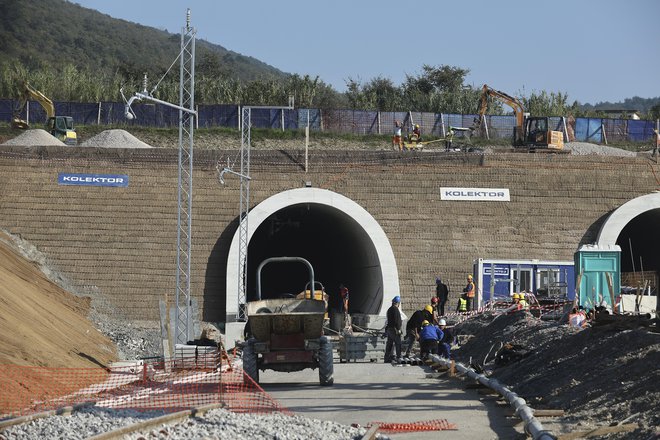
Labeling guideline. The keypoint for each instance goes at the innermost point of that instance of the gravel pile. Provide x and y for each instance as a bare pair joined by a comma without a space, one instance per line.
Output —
216,424
115,139
35,138
589,149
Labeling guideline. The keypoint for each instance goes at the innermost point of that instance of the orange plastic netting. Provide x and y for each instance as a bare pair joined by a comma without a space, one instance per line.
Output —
180,384
427,425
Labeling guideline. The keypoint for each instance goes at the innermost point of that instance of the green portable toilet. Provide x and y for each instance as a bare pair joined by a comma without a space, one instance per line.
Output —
593,263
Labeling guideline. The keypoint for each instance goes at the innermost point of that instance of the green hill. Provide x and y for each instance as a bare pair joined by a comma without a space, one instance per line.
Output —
52,33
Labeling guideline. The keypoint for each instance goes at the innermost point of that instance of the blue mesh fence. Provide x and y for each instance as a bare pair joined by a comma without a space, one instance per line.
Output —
311,117
588,130
640,130
341,120
616,129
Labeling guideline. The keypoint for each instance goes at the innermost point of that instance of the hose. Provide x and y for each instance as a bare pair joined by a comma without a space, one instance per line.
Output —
532,426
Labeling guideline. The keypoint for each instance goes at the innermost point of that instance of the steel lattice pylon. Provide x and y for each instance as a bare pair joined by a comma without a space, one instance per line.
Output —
184,324
246,123
244,208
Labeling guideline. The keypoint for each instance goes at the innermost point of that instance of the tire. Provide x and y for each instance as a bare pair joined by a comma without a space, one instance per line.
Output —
326,367
250,367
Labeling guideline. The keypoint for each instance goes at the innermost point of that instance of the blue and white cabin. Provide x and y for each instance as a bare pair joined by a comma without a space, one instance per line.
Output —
498,280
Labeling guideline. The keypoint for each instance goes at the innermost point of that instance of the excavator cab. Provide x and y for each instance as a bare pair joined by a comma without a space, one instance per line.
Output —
62,128
537,131
538,134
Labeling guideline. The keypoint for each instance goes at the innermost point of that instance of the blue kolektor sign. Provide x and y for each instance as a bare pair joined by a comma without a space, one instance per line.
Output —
93,179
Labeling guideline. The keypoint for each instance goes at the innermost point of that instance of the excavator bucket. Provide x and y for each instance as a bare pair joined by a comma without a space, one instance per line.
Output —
19,123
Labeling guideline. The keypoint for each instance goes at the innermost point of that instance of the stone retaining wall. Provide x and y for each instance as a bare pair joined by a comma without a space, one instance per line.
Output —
122,241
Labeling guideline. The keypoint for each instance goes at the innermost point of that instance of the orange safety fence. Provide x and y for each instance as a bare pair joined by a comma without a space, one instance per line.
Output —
182,383
427,425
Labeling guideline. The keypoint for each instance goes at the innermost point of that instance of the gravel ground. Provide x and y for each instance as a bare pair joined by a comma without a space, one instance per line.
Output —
216,424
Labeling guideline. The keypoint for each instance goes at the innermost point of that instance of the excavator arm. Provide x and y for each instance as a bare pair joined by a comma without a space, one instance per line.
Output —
512,102
29,93
59,126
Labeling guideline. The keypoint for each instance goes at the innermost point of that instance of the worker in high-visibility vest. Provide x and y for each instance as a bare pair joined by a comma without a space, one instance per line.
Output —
470,291
462,304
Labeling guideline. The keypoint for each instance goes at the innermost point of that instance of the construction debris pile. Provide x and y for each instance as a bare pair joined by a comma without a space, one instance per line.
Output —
602,375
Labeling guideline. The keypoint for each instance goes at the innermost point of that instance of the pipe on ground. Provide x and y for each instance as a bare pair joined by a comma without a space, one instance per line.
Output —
532,426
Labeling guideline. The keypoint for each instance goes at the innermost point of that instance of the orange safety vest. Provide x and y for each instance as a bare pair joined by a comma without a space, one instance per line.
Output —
471,289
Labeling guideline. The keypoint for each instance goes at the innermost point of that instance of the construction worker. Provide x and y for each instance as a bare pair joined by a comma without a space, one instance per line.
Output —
470,291
461,307
577,318
343,293
442,293
416,134
397,140
434,304
517,305
393,330
522,301
444,346
414,325
429,337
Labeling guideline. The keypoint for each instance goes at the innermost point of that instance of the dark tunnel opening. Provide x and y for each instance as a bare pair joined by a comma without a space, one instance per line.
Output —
338,248
639,241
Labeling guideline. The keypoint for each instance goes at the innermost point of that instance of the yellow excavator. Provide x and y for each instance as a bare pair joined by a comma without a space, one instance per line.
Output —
531,132
59,126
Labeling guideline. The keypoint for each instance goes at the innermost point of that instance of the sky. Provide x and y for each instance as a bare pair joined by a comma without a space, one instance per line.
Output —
592,50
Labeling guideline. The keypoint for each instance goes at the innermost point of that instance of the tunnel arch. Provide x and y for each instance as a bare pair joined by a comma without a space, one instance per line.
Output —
369,266
633,226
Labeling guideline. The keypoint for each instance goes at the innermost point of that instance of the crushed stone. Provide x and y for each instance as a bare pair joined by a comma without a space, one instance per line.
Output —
589,149
36,137
115,139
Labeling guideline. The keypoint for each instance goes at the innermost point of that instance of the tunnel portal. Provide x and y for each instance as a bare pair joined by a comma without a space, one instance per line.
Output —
634,228
340,252
342,241
639,243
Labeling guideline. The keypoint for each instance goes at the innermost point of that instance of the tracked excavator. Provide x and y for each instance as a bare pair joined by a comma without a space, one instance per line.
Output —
59,126
530,132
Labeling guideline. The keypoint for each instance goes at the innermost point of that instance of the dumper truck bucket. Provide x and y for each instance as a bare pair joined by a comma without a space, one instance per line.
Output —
285,317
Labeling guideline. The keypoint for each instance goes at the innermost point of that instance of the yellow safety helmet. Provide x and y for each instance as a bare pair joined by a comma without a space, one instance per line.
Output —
425,323
469,276
429,309
416,125
516,296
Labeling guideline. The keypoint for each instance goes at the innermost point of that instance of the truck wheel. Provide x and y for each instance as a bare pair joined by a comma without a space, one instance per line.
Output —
326,367
250,367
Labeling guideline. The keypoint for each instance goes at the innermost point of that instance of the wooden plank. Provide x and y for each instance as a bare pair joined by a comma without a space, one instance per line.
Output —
371,433
611,289
576,301
599,431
